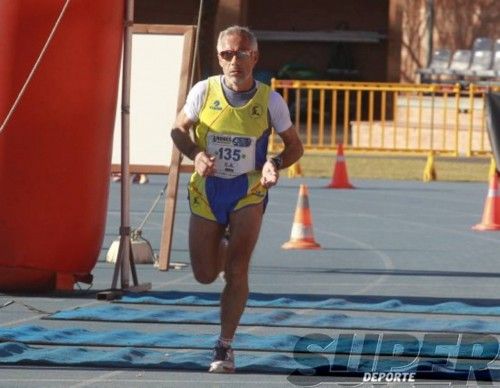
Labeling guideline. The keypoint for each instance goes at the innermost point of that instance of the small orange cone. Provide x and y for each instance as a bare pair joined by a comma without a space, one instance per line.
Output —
491,213
429,169
302,231
294,170
340,180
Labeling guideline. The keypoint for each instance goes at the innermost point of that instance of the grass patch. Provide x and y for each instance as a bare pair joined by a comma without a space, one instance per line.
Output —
320,165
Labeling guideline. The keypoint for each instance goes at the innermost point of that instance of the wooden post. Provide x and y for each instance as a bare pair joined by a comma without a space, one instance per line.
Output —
175,164
125,260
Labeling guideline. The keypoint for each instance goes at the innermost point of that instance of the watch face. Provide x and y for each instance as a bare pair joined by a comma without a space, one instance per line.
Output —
277,161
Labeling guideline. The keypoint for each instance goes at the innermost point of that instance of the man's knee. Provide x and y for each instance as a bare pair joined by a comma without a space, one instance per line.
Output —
236,273
205,276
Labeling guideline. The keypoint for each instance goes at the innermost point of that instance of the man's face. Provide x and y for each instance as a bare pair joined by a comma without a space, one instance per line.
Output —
237,61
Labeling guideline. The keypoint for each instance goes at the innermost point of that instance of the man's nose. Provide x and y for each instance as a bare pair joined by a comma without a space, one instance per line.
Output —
235,58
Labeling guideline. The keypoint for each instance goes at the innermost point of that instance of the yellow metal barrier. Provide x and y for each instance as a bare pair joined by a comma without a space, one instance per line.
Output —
442,119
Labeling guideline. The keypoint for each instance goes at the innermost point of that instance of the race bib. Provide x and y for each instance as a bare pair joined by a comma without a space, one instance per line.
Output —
234,154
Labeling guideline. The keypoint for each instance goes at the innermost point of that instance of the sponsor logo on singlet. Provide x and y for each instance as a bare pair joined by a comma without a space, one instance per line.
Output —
216,105
256,111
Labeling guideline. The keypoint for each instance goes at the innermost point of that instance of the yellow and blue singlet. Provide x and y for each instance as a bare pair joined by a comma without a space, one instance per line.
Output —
238,138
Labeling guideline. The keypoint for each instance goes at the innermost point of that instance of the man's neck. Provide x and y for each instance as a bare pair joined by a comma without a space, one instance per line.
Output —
247,86
238,98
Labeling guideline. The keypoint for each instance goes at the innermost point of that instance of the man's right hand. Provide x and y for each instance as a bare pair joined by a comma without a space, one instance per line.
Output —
204,164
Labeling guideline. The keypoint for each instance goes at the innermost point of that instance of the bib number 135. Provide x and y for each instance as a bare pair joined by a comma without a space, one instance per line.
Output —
226,153
234,154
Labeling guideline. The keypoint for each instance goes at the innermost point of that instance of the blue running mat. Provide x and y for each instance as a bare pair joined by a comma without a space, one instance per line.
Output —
306,301
281,318
12,353
406,346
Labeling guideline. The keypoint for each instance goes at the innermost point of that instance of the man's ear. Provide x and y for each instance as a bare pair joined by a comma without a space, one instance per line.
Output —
255,57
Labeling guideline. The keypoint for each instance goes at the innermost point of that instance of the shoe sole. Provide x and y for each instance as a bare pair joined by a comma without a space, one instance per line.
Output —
221,367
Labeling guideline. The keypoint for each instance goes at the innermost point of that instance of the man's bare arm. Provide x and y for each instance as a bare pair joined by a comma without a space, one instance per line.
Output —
181,138
293,147
292,152
203,163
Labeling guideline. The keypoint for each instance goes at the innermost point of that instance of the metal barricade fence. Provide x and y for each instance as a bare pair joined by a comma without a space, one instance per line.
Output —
445,119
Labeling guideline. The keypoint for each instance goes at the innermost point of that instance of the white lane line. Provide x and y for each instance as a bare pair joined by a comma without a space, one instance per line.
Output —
388,264
368,194
468,233
33,318
106,376
174,281
97,379
21,320
386,259
158,382
473,235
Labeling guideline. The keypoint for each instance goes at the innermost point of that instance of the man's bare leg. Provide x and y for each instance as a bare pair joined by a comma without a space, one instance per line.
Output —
207,250
245,227
210,253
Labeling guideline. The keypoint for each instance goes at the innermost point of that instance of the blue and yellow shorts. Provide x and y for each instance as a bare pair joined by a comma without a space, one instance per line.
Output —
215,198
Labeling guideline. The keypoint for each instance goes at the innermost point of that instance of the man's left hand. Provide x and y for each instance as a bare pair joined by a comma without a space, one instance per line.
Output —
270,175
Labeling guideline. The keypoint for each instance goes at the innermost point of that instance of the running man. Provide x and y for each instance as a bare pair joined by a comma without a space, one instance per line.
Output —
231,115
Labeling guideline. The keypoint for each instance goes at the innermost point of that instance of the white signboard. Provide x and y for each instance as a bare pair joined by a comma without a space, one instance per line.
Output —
155,76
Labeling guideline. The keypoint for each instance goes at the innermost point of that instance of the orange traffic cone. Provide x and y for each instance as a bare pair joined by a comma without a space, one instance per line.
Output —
491,213
340,180
302,231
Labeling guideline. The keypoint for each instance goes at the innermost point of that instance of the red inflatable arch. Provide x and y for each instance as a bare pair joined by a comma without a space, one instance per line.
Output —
55,149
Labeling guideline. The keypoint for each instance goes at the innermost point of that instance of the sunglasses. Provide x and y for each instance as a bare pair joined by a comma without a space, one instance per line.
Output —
228,55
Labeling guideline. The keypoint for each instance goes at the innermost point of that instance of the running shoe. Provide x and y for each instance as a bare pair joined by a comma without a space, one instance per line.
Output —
223,360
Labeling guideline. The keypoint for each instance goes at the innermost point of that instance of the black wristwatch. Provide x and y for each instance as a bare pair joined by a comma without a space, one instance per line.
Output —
277,161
